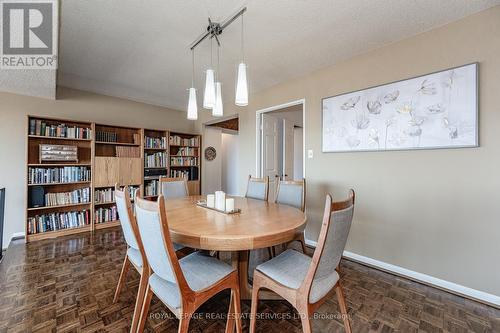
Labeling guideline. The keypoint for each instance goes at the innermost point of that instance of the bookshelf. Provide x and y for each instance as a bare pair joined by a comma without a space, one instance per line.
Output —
155,160
59,192
184,159
76,194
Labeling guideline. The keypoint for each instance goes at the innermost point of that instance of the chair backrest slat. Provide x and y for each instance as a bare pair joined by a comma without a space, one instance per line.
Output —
258,188
173,187
124,208
292,193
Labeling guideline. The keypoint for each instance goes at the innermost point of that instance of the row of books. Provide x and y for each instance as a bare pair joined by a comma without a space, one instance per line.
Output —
103,136
183,161
178,141
128,152
152,188
187,151
157,143
81,195
58,175
106,214
108,194
156,160
58,221
179,173
42,128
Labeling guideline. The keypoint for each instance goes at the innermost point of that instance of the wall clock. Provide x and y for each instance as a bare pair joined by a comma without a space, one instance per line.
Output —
210,153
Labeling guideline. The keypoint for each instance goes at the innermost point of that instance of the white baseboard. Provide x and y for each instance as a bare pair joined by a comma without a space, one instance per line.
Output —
14,235
454,288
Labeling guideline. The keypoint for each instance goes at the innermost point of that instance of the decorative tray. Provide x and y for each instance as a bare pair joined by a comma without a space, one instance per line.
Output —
204,205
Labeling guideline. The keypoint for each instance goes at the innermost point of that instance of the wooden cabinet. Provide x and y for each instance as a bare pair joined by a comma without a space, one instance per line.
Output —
121,170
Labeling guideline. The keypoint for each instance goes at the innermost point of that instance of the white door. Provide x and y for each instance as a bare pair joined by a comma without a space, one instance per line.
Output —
269,151
287,172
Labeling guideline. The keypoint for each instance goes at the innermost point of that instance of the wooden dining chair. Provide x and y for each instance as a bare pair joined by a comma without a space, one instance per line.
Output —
258,188
182,285
307,282
174,187
293,193
134,246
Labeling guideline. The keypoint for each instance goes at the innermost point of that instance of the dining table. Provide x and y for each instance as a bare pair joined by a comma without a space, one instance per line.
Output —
258,224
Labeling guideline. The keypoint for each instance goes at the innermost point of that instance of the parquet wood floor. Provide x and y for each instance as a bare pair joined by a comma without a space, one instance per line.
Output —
67,285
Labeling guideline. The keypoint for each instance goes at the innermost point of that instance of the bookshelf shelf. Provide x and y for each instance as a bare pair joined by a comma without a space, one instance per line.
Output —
107,155
59,206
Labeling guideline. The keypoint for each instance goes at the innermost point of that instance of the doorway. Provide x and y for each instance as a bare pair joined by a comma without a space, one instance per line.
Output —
280,143
221,172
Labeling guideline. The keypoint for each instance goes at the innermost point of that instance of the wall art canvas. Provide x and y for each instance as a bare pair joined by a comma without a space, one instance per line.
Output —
438,110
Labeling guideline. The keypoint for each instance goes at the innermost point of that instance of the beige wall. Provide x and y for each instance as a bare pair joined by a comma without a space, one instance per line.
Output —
436,212
71,104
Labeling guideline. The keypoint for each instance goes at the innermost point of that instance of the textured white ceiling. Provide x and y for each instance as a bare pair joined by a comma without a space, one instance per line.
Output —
139,49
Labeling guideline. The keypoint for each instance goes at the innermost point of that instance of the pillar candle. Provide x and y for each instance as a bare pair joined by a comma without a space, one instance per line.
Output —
211,200
229,205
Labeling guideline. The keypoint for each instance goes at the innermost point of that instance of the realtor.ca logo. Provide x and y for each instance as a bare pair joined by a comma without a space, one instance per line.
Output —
29,34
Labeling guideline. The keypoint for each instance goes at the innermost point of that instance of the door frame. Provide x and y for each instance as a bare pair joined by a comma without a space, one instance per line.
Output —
258,133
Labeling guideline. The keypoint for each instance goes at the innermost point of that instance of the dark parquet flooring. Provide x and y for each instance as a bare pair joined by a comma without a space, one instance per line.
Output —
67,285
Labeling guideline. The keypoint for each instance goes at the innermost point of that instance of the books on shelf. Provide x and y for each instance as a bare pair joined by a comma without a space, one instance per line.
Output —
81,195
107,195
187,151
156,160
155,143
152,188
58,175
134,152
40,127
179,173
58,221
106,214
178,141
104,136
183,161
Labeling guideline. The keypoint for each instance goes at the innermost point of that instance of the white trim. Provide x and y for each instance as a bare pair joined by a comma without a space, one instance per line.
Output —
14,235
258,148
454,288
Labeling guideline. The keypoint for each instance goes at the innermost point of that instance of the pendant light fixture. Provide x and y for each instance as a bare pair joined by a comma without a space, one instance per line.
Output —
192,111
209,94
241,98
218,110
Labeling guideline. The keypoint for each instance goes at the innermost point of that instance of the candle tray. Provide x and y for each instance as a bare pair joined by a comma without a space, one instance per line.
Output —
204,205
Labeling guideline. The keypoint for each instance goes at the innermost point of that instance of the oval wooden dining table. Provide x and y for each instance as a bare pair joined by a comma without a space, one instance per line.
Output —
260,224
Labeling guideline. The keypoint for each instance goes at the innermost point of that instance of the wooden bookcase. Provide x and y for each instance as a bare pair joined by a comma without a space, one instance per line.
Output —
109,155
184,158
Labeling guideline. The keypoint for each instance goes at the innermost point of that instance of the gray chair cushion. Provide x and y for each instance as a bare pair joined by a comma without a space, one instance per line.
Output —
256,190
290,194
135,256
290,269
201,271
172,190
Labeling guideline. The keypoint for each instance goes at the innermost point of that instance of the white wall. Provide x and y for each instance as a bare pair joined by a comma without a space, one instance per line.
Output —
230,167
212,170
298,153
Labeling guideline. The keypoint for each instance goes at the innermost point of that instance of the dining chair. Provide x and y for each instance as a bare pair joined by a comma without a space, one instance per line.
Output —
133,255
184,284
258,188
174,187
293,193
306,282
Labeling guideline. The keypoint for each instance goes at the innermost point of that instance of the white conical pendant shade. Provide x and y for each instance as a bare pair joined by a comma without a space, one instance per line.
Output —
209,96
241,86
218,109
192,112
